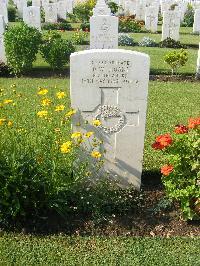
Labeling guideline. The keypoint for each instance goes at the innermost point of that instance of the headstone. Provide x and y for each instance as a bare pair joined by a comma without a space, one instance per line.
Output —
140,11
111,86
103,28
151,19
45,3
62,9
130,7
51,13
2,47
31,16
198,64
36,3
196,25
21,4
69,6
4,10
171,25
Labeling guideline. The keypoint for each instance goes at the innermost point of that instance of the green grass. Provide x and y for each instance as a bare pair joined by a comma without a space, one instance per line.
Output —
17,249
168,104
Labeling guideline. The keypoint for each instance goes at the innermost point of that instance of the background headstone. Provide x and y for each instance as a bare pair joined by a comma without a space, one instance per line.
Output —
198,64
51,13
2,47
31,16
112,86
103,28
4,10
196,25
171,25
62,9
151,19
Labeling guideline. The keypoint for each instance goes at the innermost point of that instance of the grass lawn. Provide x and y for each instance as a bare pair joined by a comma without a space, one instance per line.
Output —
17,249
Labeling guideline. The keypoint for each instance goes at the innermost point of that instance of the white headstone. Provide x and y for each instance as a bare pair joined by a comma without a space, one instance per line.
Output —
151,19
36,3
171,25
130,7
31,16
2,47
44,3
62,9
51,13
21,4
140,11
103,28
196,25
112,86
4,10
198,64
69,5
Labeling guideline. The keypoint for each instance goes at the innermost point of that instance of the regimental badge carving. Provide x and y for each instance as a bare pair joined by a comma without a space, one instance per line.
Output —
109,111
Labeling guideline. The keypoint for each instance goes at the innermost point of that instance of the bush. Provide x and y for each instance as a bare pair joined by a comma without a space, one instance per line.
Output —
113,7
12,13
21,46
125,40
80,37
188,17
129,24
83,11
4,70
39,157
147,42
176,59
171,43
85,26
181,173
57,26
55,50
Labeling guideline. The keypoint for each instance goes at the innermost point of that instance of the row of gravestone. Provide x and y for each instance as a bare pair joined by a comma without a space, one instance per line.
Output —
111,86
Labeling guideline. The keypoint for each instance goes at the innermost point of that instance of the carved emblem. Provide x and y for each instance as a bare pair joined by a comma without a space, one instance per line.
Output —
109,111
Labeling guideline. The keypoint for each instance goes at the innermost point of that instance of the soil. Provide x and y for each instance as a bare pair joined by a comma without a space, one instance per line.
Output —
142,221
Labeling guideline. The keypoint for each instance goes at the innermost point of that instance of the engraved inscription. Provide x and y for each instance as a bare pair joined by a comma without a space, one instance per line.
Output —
109,72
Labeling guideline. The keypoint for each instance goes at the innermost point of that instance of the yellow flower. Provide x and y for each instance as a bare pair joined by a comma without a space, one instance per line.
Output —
66,147
10,123
76,135
42,91
2,120
42,113
57,129
96,123
96,154
70,113
89,134
60,94
7,101
1,105
45,102
59,108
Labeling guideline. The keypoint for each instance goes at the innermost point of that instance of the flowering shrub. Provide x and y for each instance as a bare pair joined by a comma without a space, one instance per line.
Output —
171,43
181,173
125,40
80,37
40,160
129,24
147,42
83,11
176,59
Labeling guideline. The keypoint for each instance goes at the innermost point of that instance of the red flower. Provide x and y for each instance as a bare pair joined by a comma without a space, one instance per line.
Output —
194,122
157,146
167,169
181,129
162,141
165,140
